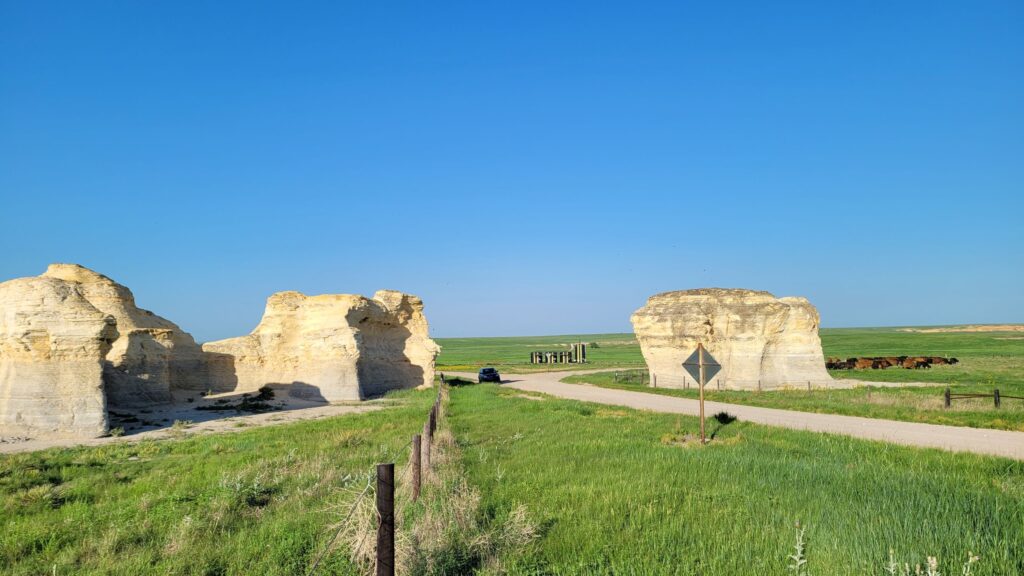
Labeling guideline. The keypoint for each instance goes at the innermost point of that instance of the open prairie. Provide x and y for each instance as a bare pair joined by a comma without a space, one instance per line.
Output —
617,491
511,354
542,486
988,361
230,229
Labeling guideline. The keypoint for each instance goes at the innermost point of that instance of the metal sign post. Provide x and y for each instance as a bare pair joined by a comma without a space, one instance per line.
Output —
702,367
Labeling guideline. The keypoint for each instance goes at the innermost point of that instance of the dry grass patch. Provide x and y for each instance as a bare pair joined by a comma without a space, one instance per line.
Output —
445,531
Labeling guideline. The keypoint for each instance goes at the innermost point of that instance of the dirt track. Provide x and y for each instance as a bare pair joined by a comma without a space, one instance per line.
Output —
955,438
203,422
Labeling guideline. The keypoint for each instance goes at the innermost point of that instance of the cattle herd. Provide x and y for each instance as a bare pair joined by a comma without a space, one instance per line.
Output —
882,362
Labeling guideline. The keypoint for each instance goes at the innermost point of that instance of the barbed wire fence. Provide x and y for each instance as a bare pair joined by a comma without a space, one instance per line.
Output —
380,559
392,494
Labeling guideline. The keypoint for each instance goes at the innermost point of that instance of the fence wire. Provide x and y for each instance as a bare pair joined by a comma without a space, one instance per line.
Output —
341,527
407,447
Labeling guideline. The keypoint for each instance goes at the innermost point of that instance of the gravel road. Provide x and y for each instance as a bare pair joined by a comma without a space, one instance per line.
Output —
955,438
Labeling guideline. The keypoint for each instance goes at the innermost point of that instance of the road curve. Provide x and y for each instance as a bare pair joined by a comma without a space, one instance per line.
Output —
954,438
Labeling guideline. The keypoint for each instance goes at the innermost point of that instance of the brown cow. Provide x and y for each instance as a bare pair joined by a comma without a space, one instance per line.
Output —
836,364
914,361
862,363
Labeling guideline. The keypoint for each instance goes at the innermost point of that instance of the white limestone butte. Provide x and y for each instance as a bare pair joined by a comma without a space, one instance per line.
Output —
73,341
53,344
151,357
756,337
331,347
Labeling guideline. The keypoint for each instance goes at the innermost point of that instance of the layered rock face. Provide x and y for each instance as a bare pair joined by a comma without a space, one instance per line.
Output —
53,345
73,341
330,347
760,340
151,356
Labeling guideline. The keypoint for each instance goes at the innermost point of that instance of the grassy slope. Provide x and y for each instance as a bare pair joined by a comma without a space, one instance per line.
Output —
613,498
252,502
988,360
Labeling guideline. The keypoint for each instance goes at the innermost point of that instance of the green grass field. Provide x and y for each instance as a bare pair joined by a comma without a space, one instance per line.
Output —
606,490
988,360
614,494
258,501
512,354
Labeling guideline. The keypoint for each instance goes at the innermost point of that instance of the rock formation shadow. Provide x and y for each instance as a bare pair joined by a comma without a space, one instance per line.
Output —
305,391
219,372
219,400
380,369
195,407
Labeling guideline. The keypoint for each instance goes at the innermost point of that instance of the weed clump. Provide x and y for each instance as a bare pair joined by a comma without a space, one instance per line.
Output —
179,427
445,531
251,492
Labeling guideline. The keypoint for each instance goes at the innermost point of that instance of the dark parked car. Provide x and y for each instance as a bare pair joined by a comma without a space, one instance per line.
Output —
488,375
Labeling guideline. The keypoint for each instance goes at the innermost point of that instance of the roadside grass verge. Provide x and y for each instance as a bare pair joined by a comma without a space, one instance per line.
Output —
257,501
610,496
910,404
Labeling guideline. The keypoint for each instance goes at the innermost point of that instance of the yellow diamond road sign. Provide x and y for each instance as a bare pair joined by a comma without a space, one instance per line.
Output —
701,357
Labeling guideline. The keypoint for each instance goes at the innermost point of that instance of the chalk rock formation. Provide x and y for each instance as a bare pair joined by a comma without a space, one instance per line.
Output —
53,344
151,356
755,336
330,347
73,341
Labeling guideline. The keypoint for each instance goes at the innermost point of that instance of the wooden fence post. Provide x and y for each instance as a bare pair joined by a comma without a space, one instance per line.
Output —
386,513
414,461
425,454
948,400
996,397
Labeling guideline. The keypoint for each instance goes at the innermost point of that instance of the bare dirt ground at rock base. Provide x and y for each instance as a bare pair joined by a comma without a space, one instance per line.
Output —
158,422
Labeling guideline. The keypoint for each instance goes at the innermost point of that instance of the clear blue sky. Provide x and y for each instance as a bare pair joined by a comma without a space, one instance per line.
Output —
526,168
